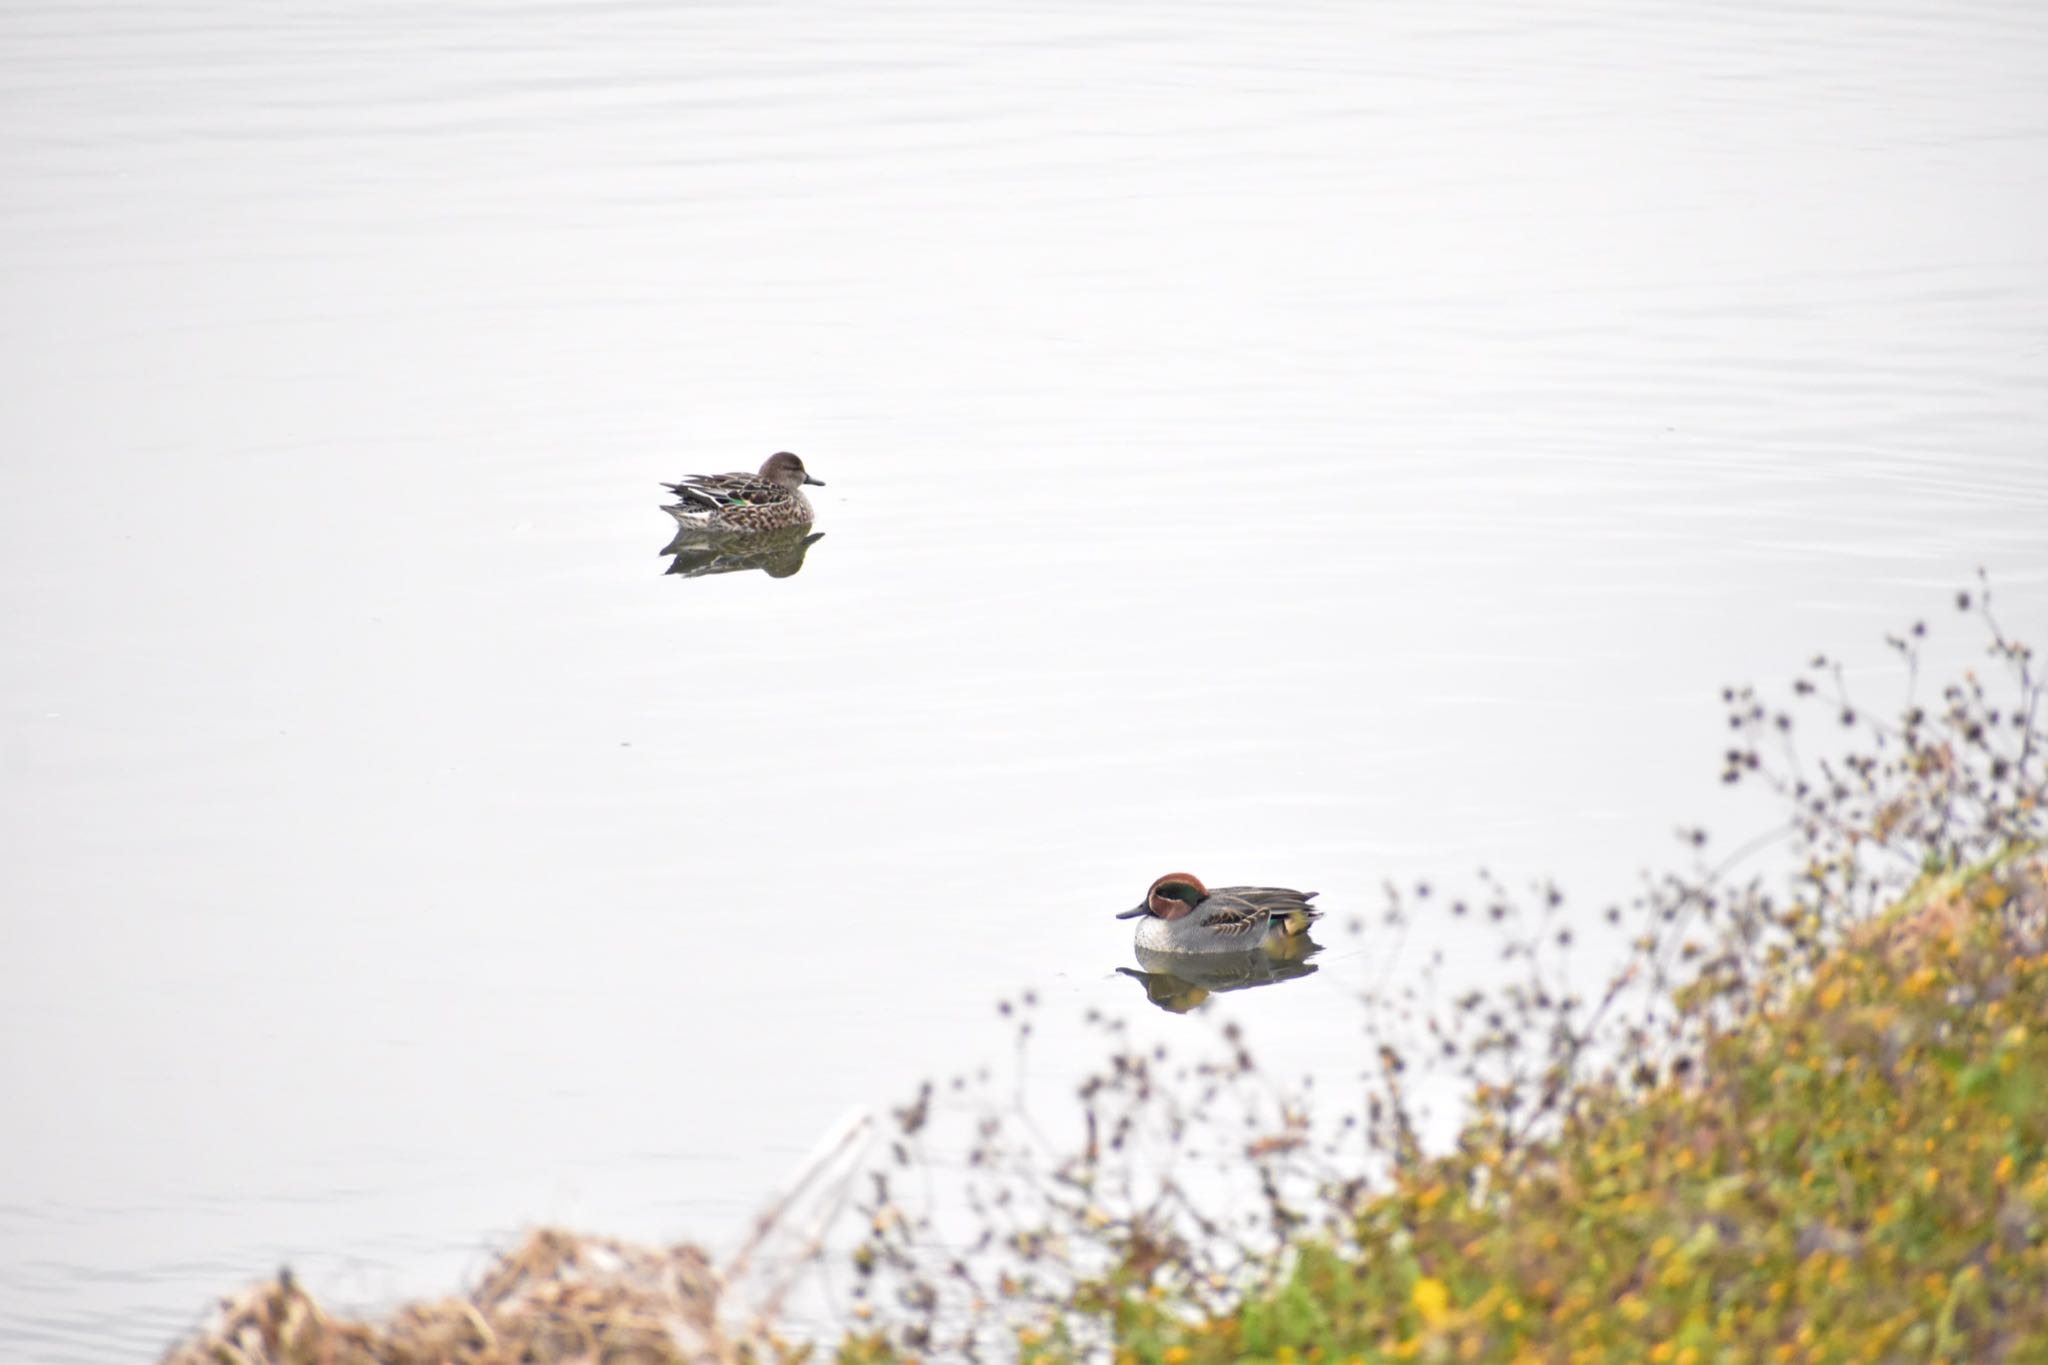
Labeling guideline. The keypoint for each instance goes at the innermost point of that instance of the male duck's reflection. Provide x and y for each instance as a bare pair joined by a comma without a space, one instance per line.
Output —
775,553
1179,982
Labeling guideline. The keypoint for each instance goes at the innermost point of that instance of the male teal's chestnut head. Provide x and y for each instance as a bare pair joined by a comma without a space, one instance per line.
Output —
1174,895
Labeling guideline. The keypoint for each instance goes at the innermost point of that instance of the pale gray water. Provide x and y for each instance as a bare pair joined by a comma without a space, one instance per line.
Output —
1317,444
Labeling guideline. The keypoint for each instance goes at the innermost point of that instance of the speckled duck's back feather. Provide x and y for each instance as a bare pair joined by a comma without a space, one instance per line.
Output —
714,492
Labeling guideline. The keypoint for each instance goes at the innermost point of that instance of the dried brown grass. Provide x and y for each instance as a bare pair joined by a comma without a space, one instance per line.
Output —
557,1296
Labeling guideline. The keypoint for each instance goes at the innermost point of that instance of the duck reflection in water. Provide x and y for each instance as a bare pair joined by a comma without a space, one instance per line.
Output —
1179,982
775,553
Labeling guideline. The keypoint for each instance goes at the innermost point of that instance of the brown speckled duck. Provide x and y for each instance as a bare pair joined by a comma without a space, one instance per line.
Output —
772,500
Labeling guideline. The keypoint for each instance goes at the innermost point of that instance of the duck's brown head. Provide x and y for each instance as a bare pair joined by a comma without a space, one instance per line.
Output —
785,470
1174,895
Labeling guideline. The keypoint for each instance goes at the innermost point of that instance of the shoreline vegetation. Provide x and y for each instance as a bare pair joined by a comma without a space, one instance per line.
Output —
1806,1121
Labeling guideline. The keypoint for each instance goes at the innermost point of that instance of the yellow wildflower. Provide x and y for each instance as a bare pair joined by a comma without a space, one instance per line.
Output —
1431,1299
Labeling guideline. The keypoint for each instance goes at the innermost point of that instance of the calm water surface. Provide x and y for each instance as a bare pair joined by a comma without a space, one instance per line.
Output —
1319,445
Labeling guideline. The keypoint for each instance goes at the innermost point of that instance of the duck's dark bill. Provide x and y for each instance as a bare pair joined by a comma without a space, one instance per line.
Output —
819,482
1134,912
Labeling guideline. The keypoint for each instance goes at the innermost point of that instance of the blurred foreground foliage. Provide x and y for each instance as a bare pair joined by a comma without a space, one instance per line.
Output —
1854,1173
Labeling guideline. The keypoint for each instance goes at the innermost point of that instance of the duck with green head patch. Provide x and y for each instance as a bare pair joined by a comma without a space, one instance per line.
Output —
1180,915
